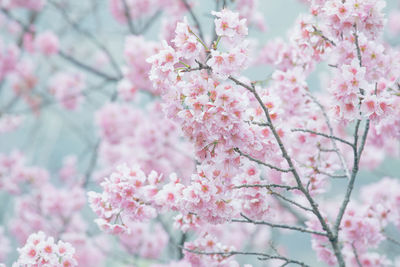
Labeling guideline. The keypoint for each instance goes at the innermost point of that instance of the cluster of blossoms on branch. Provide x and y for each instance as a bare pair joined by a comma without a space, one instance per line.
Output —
40,250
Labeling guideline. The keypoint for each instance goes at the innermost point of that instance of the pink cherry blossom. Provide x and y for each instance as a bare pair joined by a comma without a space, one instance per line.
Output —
47,43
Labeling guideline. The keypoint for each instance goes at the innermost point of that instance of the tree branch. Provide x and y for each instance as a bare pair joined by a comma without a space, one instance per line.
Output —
260,162
274,225
332,238
335,148
86,67
128,17
263,255
356,255
350,186
324,135
268,186
357,45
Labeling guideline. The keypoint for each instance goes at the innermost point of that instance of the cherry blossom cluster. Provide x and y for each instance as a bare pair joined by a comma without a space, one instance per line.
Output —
8,58
47,43
14,173
41,250
211,238
9,123
375,99
144,239
343,15
208,243
156,139
210,197
43,207
36,5
232,30
249,9
23,79
125,197
47,209
137,50
67,89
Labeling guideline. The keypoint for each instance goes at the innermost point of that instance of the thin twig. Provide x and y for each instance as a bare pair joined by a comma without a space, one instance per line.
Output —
290,201
268,186
86,67
128,17
299,216
356,255
232,253
357,45
324,135
260,162
92,164
274,225
335,147
332,175
150,21
392,240
357,158
319,33
91,37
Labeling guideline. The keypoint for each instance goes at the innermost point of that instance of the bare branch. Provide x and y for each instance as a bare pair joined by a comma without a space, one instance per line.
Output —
324,135
392,240
149,22
290,201
262,256
328,150
128,17
91,37
274,225
92,163
268,186
357,45
332,175
350,186
335,147
356,255
260,162
86,67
